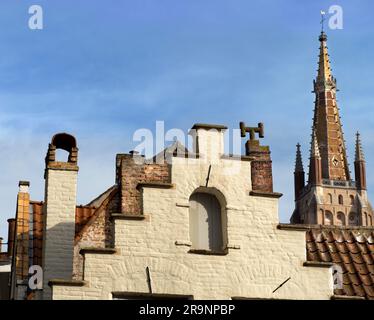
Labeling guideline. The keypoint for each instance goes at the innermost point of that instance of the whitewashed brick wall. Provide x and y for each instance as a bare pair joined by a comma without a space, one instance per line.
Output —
61,188
266,256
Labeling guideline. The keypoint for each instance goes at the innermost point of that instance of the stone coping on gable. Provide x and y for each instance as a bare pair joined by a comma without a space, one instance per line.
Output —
208,126
161,185
124,216
208,252
276,195
95,250
67,283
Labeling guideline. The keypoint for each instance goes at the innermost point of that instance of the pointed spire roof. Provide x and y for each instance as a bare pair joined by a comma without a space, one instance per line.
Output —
299,167
359,151
324,75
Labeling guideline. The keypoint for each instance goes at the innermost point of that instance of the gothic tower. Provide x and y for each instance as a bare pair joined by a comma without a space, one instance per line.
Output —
330,196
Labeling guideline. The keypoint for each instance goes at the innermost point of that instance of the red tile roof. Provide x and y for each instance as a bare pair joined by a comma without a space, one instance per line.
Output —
82,215
352,249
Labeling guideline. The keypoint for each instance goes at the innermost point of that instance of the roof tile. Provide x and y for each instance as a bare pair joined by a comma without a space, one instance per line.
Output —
352,249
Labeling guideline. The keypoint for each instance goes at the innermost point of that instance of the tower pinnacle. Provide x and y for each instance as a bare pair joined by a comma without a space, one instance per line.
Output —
359,151
299,161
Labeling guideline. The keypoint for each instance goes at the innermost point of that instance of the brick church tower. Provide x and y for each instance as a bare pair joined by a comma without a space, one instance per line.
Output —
330,197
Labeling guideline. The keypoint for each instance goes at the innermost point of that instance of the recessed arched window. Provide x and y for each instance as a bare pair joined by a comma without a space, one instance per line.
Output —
341,199
330,198
340,219
328,218
370,220
352,199
207,222
366,218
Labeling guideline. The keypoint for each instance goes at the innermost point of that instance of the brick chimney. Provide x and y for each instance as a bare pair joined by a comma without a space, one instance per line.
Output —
59,211
261,164
11,231
22,230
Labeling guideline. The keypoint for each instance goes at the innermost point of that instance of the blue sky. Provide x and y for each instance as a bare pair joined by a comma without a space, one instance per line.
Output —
102,69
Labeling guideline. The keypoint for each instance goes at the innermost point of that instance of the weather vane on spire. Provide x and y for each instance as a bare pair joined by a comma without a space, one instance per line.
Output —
323,13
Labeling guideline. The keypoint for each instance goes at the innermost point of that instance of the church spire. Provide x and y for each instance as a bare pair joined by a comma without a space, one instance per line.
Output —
330,196
326,123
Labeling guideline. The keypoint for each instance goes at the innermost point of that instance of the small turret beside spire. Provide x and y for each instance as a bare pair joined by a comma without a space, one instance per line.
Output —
315,169
360,165
359,152
299,174
299,167
314,150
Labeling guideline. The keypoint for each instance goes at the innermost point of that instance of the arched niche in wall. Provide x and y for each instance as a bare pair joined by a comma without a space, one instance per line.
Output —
340,219
208,220
340,199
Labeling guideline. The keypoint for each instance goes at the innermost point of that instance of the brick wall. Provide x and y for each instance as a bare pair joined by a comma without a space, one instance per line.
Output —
98,231
22,231
262,176
59,225
130,174
261,166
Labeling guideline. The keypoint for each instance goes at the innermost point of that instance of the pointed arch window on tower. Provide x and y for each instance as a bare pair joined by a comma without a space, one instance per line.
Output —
340,221
341,200
330,198
329,218
352,199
